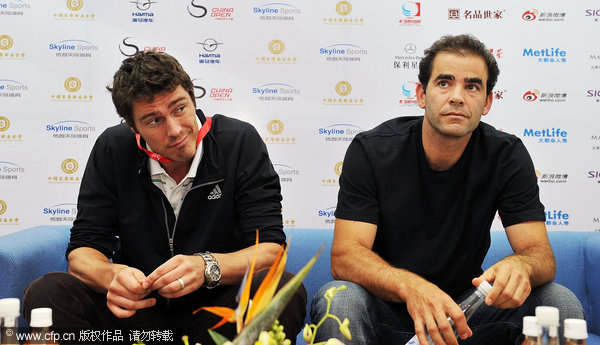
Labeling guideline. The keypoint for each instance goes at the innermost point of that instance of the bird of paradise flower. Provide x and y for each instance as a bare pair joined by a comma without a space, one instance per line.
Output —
253,316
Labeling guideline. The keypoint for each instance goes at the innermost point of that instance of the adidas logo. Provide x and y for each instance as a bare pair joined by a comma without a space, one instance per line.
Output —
215,194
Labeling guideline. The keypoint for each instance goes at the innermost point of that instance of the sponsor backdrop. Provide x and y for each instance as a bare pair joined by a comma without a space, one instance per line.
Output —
309,75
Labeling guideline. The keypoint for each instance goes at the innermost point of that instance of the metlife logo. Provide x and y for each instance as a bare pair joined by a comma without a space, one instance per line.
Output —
546,55
557,218
546,135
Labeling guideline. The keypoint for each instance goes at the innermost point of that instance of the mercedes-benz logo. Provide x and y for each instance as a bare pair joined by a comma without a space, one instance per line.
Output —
410,48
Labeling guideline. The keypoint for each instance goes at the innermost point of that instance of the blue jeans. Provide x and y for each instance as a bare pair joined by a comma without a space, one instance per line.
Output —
375,321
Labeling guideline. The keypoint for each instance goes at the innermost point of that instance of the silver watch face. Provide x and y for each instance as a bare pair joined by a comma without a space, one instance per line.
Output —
214,272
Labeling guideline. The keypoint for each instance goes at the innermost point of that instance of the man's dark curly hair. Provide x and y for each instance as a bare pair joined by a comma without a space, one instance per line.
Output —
144,75
462,45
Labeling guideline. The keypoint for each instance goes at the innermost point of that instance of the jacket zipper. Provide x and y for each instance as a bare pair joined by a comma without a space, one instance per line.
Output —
171,235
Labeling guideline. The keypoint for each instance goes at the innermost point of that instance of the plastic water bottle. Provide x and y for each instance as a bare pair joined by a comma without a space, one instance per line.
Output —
575,332
468,306
40,322
9,314
531,330
548,321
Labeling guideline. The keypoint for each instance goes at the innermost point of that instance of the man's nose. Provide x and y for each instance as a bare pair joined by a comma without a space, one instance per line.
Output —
457,97
173,127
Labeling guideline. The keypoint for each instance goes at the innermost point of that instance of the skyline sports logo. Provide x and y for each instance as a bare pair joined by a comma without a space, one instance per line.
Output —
276,92
339,132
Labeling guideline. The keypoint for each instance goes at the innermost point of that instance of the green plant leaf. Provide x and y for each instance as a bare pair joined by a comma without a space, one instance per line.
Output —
265,319
217,338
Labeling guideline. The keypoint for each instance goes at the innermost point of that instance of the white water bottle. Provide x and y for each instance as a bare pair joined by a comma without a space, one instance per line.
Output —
468,306
9,314
548,321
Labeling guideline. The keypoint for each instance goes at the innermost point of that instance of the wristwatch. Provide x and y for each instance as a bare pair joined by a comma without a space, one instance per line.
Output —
212,270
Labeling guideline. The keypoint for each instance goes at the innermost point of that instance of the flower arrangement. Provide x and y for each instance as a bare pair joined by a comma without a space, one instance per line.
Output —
254,317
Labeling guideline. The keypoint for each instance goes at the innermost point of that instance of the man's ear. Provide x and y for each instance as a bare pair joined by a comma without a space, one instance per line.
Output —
488,104
420,95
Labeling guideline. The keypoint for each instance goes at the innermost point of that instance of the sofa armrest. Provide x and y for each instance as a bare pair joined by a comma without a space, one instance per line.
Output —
592,279
28,254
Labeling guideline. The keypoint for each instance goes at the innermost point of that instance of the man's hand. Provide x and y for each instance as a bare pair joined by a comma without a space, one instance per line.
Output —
430,308
511,283
126,294
165,278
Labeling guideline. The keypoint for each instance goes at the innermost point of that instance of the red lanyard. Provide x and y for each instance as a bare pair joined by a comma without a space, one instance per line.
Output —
201,134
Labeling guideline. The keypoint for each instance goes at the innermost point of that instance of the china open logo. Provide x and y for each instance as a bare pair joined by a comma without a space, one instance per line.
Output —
343,8
4,123
275,127
530,15
6,42
69,166
531,96
343,88
338,168
72,84
74,5
276,47
2,207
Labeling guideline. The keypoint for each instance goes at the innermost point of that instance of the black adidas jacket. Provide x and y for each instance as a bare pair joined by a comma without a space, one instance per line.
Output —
121,213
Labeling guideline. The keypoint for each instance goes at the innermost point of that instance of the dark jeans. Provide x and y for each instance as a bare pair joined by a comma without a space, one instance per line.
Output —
77,308
375,321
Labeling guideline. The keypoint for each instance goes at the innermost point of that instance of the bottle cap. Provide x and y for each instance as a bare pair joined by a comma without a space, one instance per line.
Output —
484,287
530,326
575,329
41,317
547,316
10,307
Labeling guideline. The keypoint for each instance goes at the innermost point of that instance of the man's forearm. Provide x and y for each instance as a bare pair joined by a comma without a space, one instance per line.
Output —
93,268
362,266
233,265
539,264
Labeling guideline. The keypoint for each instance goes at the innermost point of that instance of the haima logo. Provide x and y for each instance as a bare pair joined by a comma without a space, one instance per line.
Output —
6,42
530,15
143,5
196,11
411,9
209,44
531,96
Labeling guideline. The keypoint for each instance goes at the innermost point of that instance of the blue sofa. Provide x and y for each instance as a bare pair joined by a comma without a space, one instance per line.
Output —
28,254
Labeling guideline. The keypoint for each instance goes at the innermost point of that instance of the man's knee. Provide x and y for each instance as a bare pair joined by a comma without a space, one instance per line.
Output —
51,289
556,295
349,298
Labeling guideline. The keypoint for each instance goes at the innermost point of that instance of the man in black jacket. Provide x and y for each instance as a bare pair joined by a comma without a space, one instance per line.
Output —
167,214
